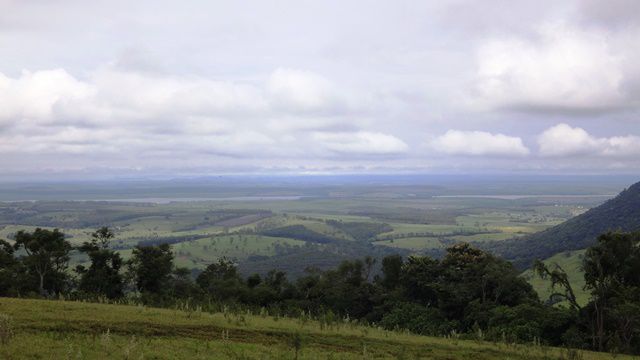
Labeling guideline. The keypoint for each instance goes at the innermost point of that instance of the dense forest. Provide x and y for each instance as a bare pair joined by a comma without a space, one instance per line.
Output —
468,291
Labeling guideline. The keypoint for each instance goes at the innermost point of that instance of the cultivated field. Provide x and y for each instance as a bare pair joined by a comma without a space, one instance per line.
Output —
295,227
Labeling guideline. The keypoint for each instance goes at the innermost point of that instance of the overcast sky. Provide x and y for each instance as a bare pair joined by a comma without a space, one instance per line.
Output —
183,88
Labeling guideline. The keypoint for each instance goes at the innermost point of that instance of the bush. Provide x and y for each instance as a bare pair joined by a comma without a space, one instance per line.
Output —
417,319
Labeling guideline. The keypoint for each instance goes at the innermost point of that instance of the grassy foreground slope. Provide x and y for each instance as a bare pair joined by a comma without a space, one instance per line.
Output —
71,330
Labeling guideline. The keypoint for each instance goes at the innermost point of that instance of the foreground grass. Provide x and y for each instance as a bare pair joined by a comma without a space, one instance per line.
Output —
71,330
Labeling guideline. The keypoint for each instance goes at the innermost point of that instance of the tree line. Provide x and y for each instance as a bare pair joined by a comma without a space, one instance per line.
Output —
468,292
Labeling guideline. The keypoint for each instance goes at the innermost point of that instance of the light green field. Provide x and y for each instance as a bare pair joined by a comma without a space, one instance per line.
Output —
418,222
412,243
403,229
485,237
46,329
318,225
504,222
571,262
202,252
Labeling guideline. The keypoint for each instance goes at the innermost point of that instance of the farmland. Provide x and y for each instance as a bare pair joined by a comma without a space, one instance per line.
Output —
203,231
296,225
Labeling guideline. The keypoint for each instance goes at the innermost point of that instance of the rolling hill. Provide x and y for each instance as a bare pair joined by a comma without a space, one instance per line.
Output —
621,213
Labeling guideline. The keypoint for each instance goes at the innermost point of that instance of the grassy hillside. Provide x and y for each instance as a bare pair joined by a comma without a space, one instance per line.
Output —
202,252
621,213
67,330
571,262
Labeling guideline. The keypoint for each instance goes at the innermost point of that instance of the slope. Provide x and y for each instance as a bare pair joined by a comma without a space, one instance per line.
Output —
72,330
621,213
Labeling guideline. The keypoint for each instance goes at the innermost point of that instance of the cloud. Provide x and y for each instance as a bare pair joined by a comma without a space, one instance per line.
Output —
302,91
148,95
36,95
361,143
560,68
478,143
217,87
115,112
564,140
112,94
611,12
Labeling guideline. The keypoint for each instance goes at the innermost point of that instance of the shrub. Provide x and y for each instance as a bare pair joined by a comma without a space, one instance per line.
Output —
417,319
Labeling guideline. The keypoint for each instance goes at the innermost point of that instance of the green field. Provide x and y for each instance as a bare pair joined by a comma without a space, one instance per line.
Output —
201,232
44,329
202,252
571,262
413,243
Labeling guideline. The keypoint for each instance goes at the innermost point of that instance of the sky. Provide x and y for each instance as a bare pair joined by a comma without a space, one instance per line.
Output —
99,89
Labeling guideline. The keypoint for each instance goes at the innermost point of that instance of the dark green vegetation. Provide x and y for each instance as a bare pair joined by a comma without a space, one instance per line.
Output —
467,292
621,213
611,269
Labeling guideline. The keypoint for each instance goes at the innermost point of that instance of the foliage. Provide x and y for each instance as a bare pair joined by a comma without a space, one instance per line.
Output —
621,213
468,291
103,277
47,256
612,269
298,232
418,319
150,268
9,269
361,231
558,278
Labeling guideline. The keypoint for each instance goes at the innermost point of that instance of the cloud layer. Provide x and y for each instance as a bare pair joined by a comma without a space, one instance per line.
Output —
416,86
479,143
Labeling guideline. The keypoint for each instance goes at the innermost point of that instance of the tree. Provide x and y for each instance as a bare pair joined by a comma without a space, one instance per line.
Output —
103,275
611,274
391,271
181,284
221,280
47,255
151,267
558,278
8,264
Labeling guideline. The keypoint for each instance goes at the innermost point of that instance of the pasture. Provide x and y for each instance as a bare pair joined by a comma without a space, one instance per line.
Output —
46,329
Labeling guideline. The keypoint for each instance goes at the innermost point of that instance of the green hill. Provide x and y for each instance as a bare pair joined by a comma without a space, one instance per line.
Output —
45,329
621,213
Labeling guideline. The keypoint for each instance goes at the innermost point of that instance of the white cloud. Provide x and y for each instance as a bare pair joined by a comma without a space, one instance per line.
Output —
560,68
480,143
302,91
36,95
361,143
148,95
118,113
564,140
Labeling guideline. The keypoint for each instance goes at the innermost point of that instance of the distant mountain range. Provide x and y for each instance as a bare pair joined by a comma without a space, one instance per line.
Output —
621,213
